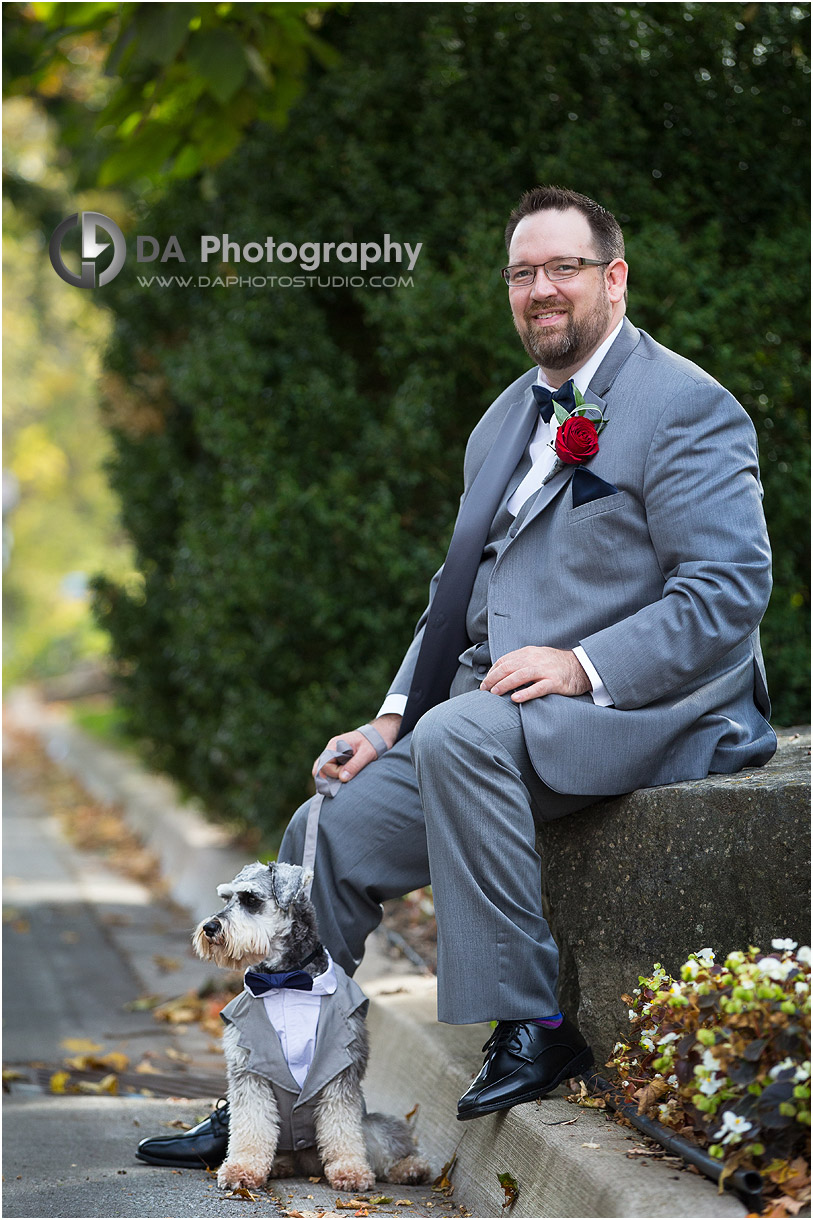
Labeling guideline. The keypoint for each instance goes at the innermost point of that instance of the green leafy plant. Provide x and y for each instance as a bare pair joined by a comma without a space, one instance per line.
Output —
722,1056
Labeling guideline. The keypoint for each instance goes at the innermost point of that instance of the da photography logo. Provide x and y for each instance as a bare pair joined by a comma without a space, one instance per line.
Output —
91,248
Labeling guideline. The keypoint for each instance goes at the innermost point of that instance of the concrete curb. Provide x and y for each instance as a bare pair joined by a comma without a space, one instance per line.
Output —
567,1161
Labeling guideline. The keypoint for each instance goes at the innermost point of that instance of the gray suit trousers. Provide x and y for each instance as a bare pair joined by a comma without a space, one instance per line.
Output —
452,804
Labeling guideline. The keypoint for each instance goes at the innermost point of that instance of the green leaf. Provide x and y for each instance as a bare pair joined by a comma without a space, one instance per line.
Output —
218,56
161,30
561,413
509,1185
142,154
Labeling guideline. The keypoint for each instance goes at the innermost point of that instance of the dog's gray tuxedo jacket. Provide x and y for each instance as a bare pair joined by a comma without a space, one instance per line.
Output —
663,581
334,1035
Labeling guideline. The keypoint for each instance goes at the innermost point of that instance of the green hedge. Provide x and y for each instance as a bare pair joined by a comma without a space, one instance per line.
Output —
289,460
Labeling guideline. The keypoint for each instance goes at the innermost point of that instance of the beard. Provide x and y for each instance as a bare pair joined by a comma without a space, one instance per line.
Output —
570,343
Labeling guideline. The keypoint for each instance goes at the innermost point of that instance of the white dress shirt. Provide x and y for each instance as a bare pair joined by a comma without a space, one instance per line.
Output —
543,456
295,1016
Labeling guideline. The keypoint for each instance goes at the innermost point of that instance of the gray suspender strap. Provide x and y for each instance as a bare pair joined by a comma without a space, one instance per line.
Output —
329,787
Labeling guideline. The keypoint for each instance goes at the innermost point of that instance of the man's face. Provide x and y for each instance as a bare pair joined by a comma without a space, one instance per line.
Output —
561,324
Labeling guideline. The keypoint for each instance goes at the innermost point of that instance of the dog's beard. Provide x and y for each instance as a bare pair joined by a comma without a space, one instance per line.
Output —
235,948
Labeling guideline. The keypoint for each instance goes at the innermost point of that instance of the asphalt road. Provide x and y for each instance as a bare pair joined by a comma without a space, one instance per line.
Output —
81,944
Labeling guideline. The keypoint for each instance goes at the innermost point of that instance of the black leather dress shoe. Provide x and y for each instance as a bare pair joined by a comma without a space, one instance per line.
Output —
524,1061
203,1147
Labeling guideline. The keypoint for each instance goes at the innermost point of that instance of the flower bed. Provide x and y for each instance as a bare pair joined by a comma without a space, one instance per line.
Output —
722,1056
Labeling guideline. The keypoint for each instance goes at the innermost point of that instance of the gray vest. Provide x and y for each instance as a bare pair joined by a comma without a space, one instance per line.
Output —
334,1033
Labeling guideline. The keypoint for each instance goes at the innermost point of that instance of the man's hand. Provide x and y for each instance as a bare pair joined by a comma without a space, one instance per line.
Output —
363,752
551,671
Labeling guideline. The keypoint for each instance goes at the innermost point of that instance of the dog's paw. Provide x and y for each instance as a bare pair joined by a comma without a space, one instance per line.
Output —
232,1174
349,1175
409,1170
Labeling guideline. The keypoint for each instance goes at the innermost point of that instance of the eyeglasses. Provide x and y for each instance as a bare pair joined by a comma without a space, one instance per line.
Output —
523,275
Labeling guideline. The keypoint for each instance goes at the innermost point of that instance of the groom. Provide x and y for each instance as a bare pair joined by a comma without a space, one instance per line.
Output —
594,629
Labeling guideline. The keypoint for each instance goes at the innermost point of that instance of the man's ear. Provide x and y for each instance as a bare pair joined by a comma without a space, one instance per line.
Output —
287,882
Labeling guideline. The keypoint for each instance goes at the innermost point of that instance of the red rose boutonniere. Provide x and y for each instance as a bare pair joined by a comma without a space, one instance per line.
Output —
577,435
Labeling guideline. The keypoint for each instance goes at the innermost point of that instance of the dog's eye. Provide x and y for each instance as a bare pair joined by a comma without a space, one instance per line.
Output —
251,901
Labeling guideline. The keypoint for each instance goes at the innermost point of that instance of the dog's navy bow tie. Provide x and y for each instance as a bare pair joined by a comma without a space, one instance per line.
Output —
258,983
544,399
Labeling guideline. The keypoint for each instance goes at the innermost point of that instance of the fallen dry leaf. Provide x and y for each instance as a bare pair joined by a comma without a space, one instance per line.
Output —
649,1094
145,1068
115,1061
109,1084
178,1056
143,1004
509,1185
58,1082
442,1181
81,1046
240,1192
591,1145
13,1074
166,964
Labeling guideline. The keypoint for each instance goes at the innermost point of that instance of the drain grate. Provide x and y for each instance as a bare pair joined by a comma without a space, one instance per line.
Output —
159,1084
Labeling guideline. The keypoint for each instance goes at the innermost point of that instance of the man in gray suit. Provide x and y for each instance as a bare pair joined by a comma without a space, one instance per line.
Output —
594,629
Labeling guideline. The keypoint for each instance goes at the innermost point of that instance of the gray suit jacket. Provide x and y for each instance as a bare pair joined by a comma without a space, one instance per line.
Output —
663,582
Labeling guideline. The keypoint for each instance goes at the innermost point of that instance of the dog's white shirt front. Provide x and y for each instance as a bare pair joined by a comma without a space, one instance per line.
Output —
295,1016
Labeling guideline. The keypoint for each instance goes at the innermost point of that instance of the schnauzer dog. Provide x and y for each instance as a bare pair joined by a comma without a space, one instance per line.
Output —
296,1045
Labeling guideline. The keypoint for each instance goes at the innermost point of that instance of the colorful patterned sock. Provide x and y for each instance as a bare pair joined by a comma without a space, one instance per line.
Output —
549,1022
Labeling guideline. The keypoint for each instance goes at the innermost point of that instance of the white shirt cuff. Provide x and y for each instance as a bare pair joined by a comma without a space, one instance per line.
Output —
393,705
601,696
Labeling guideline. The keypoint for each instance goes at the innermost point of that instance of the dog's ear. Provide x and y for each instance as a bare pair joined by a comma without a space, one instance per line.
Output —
287,882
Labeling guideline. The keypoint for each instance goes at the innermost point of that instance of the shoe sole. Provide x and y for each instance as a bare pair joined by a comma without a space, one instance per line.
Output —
178,1162
577,1067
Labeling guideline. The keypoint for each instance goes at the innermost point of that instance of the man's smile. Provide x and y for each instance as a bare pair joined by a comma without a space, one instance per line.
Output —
548,316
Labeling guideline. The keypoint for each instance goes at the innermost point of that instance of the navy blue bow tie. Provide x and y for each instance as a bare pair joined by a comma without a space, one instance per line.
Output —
258,983
544,399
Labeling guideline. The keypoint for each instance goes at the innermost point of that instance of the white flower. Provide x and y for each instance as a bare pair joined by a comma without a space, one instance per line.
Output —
636,991
709,1061
706,957
772,968
673,1080
690,970
676,989
733,1129
619,1046
668,1038
632,1014
707,1082
663,1110
746,983
802,1072
786,945
804,955
778,1068
801,987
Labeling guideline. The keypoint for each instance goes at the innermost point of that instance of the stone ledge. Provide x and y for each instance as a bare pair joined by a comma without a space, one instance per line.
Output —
567,1161
662,872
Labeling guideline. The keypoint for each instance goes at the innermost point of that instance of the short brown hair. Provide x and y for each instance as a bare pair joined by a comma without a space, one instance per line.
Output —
605,228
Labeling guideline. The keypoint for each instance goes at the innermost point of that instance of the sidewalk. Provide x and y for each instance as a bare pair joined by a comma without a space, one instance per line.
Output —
82,942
